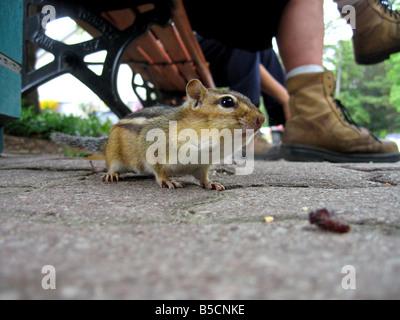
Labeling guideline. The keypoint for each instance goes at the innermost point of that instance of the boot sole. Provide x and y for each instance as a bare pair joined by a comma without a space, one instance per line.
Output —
303,153
376,57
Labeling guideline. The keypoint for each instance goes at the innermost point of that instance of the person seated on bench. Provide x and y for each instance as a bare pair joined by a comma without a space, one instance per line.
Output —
319,127
253,74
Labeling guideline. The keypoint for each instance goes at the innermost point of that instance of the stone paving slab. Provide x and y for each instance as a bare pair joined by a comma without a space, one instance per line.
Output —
133,240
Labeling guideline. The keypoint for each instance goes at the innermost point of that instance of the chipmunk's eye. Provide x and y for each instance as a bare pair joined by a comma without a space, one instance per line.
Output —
227,102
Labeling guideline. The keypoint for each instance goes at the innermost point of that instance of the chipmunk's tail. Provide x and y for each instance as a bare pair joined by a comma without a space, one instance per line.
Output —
97,145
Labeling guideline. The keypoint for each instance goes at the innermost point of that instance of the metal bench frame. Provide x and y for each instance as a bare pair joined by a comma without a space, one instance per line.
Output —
153,37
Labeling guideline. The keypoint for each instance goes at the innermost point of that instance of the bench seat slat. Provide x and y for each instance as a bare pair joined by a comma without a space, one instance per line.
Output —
168,57
177,51
157,54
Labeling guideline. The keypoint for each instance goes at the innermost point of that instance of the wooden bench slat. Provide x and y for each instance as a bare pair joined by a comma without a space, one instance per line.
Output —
182,24
122,19
166,78
157,54
168,57
137,54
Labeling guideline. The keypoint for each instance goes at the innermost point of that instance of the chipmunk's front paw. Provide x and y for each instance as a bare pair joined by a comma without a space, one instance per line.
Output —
110,177
169,184
213,186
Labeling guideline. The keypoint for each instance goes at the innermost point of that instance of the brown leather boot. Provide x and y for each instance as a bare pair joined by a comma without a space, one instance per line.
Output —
377,32
320,128
261,146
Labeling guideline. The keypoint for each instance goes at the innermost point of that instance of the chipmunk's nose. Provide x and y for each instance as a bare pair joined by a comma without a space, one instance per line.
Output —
259,121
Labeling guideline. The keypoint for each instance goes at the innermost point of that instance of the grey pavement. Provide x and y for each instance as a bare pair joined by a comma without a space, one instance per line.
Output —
133,240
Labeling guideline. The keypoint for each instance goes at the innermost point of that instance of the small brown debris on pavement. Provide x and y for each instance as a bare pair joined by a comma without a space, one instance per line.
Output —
326,219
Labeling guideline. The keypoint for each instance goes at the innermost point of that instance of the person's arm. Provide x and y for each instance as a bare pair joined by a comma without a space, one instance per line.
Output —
272,87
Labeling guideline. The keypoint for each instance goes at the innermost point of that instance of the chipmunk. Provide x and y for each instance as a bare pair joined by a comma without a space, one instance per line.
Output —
154,140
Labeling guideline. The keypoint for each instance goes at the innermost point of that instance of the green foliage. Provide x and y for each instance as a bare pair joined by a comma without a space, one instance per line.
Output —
43,124
371,93
394,76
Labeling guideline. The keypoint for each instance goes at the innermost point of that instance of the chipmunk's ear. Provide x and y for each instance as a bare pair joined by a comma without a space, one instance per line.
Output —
196,91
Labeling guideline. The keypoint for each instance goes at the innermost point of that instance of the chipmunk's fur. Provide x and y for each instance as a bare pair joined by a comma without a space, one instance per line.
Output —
92,144
126,147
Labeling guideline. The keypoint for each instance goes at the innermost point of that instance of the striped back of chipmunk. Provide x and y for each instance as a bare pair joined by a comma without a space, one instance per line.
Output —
137,120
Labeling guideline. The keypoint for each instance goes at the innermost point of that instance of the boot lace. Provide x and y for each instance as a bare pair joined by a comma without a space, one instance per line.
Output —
346,115
387,5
